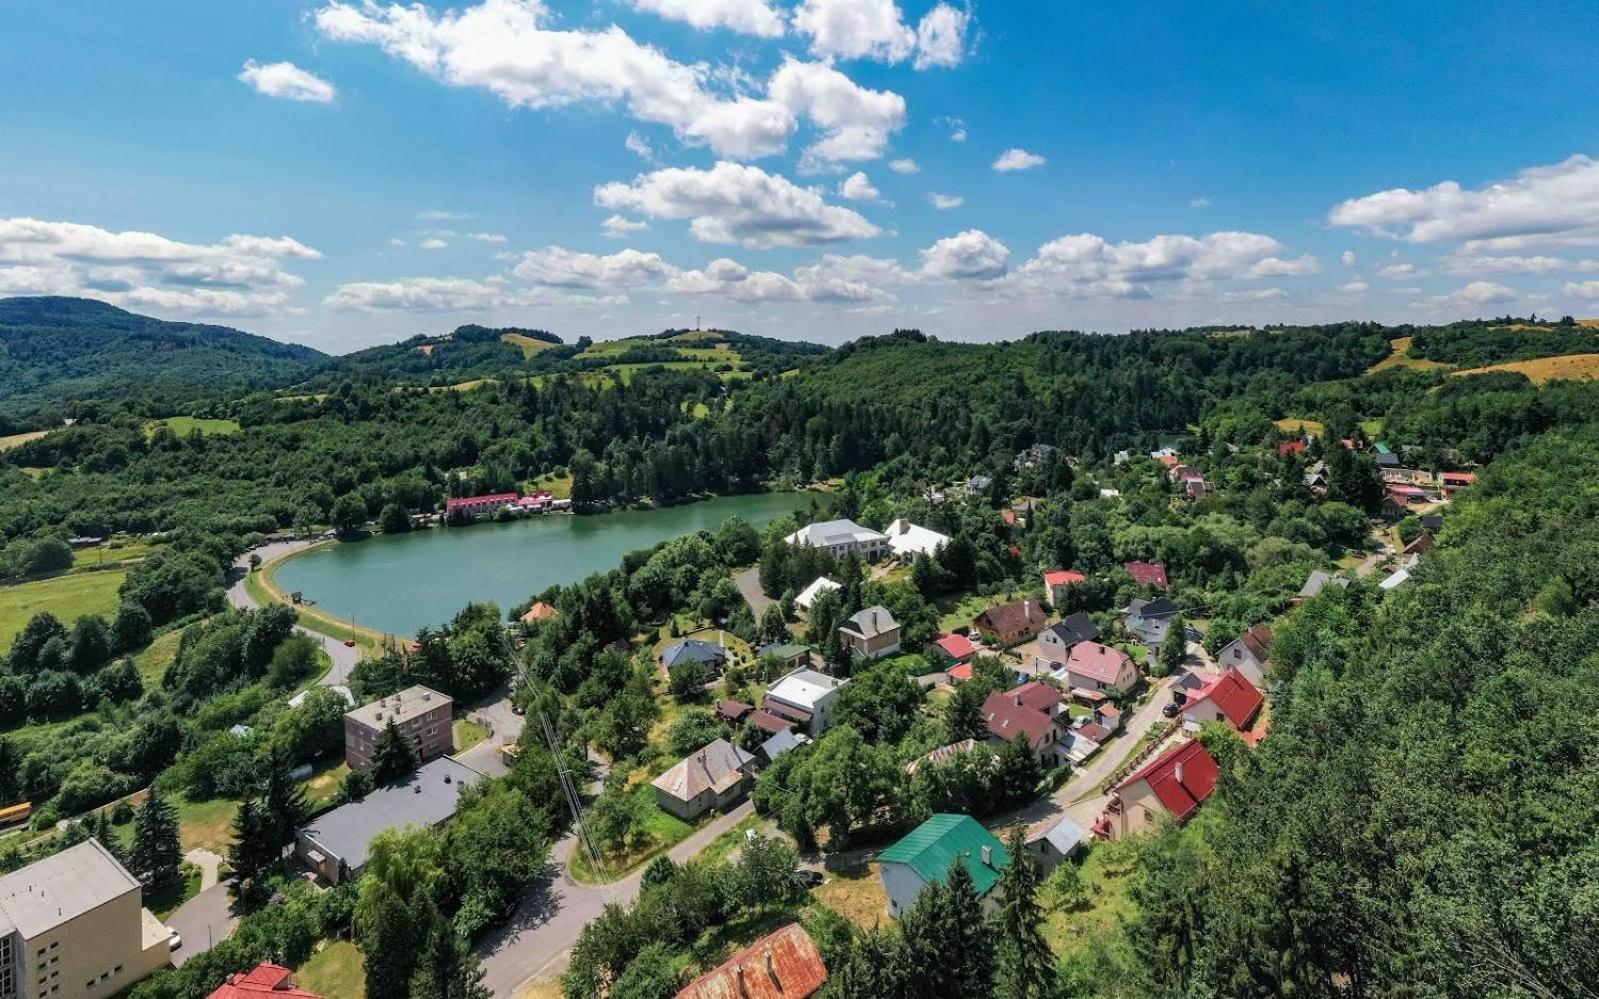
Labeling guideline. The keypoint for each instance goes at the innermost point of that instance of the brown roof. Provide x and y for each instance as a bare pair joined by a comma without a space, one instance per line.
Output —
1006,714
1012,618
781,965
540,611
1258,641
768,722
734,711
716,767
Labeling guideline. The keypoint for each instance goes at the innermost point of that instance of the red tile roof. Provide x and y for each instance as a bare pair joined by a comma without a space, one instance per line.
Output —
264,979
1024,710
1094,732
1291,447
540,611
1169,460
1460,478
1181,778
780,965
961,673
1147,573
1063,577
1234,696
491,499
1098,662
956,646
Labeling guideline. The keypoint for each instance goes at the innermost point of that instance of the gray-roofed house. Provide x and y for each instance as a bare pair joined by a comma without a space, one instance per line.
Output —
1149,620
74,924
1319,580
708,654
715,776
1055,642
336,843
779,744
840,537
1053,843
872,633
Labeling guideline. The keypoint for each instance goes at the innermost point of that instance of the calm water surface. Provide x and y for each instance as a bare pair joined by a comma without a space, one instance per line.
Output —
399,583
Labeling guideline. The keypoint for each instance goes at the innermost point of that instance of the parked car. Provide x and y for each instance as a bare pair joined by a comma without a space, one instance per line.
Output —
1170,710
174,939
809,879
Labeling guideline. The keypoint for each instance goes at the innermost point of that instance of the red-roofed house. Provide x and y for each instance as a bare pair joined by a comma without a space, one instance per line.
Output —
954,648
1291,447
263,980
475,505
1455,481
1147,573
1035,710
1092,666
780,965
540,611
1174,783
1057,580
961,673
1168,459
1230,697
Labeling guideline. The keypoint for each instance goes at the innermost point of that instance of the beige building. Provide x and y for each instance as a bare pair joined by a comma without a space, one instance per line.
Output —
424,716
714,777
74,925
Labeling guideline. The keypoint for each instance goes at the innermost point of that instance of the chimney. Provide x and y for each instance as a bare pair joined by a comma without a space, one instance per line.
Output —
988,856
1178,773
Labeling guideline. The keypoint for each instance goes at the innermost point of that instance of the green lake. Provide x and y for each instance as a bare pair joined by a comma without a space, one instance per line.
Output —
399,583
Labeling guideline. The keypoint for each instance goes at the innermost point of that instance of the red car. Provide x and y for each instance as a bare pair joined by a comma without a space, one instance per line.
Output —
349,643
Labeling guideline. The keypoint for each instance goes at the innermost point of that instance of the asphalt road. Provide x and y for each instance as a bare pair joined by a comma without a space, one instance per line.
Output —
204,921
344,658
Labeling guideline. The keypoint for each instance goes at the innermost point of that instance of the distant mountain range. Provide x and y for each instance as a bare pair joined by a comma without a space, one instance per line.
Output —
54,351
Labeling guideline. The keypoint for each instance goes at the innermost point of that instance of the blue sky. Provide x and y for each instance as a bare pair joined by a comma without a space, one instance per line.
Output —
341,172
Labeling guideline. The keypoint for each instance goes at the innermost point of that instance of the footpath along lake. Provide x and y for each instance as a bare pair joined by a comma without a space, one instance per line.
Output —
399,583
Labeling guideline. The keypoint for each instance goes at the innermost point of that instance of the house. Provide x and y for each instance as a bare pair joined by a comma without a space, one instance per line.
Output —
1096,666
1402,575
422,715
74,924
1195,487
335,843
1150,620
1230,697
1009,624
872,633
927,853
734,712
960,674
953,649
1148,573
716,776
840,537
940,755
784,964
262,980
1173,784
907,540
779,744
979,484
1287,448
1034,456
791,654
1082,741
540,611
1057,581
1248,654
1319,580
693,650
1053,842
1055,642
1316,477
1108,715
805,697
1454,482
473,506
768,722
819,586
1034,710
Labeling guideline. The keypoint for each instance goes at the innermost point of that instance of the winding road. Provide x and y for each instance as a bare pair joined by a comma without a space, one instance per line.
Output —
344,658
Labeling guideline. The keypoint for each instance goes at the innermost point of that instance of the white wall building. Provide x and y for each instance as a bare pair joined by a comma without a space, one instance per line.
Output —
840,537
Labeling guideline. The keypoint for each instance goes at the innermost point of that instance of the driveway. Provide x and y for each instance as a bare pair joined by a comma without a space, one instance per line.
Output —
505,727
535,943
344,658
204,921
749,584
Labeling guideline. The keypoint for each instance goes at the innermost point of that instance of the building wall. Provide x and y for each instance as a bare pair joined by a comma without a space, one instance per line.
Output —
876,647
327,868
100,953
902,886
701,803
432,734
1140,810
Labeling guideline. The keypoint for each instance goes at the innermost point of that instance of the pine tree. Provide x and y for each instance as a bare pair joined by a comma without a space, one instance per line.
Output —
251,852
283,802
948,940
155,855
446,968
1175,648
1023,964
877,965
393,757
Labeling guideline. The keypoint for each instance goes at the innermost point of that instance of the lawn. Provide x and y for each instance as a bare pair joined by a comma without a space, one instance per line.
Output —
1296,426
325,783
529,345
114,552
469,733
68,597
165,900
661,832
960,613
1399,357
857,895
157,656
12,440
1105,873
335,970
206,824
559,486
1576,367
183,426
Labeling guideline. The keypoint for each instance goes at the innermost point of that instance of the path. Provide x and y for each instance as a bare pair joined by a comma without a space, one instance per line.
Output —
203,921
505,728
208,863
749,584
344,658
534,944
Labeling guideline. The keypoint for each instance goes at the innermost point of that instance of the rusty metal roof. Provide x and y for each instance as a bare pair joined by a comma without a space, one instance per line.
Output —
781,965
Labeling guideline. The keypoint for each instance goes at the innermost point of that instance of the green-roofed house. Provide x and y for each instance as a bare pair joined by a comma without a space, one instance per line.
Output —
927,853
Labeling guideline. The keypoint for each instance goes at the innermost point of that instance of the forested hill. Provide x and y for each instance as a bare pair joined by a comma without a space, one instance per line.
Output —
57,350
465,353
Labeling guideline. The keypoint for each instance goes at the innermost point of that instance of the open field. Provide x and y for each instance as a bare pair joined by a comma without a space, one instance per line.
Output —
529,345
1576,367
1400,358
1105,872
1296,426
157,657
12,440
335,970
183,426
661,832
857,895
68,597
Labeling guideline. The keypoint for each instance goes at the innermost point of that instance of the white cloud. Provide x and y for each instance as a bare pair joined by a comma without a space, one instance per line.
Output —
749,17
1398,272
906,166
239,275
426,294
1349,258
944,202
957,128
831,279
486,237
563,268
858,187
1087,266
941,37
1353,287
620,226
1255,295
440,215
855,29
1017,159
288,81
972,254
1474,295
856,122
1199,203
1490,264
735,281
1278,267
1584,289
733,203
639,146
1551,205
433,243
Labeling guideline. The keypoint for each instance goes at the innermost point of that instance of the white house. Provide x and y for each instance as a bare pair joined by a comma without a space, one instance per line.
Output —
805,697
909,540
840,537
928,852
808,596
1053,842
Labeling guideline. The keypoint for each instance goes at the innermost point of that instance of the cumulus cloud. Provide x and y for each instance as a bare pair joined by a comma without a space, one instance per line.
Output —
906,166
749,17
856,122
1017,159
734,203
1349,258
941,37
1398,272
238,275
1583,289
855,29
1549,205
288,81
1472,296
970,255
1255,295
944,202
1354,287
1278,267
1468,264
639,146
620,226
433,243
424,294
1088,266
858,187
562,268
850,280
